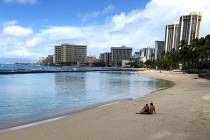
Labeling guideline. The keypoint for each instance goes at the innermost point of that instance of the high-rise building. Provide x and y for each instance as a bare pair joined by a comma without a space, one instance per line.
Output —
70,54
106,58
119,54
58,53
50,59
171,37
190,27
147,54
159,48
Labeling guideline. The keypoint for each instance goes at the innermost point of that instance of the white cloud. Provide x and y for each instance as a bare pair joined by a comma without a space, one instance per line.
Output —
17,31
21,1
33,42
138,28
90,15
11,22
57,33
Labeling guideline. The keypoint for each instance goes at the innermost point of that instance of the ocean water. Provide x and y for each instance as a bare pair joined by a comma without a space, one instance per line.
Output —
27,98
12,68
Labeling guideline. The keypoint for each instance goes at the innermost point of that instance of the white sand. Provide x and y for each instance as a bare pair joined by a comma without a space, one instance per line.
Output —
183,114
206,98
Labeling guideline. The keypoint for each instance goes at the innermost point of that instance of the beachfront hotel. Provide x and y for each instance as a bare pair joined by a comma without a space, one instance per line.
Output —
159,48
69,54
118,54
190,27
187,30
106,58
171,37
50,60
147,54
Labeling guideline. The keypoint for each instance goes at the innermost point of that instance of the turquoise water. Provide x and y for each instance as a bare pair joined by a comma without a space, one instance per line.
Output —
26,98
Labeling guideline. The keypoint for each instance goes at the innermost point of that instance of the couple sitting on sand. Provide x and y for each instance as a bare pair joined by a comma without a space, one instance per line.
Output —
147,109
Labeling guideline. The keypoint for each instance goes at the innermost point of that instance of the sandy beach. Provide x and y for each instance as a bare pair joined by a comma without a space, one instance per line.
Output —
183,113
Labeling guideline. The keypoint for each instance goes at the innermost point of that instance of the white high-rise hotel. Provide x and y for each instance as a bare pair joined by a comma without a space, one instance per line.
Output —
171,37
189,27
187,30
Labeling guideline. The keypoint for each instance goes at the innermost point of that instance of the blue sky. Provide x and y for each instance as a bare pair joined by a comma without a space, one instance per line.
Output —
64,12
30,29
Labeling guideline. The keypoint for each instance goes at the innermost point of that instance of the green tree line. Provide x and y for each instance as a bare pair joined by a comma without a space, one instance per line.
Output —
194,56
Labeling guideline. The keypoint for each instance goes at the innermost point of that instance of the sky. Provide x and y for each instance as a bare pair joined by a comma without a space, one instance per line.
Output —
30,29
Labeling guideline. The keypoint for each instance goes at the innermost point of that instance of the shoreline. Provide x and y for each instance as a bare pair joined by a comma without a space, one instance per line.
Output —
188,120
49,119
69,114
46,121
63,115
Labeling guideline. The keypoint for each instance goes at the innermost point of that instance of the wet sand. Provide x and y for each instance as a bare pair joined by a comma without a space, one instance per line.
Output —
183,113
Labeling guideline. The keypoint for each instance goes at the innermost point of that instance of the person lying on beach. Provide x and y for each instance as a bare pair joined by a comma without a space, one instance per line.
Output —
145,110
152,108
